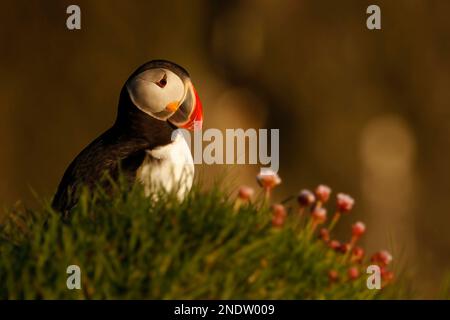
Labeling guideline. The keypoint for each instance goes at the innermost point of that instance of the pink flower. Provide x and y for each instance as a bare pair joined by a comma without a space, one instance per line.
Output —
245,193
385,257
279,210
387,275
357,254
278,215
382,257
278,221
324,234
344,202
306,198
323,193
353,273
345,247
268,179
334,244
319,215
358,229
333,275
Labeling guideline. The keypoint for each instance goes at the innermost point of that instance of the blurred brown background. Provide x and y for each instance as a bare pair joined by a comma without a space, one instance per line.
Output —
366,112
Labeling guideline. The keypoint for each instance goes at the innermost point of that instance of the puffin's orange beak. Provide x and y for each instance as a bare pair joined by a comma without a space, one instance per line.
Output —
196,118
189,114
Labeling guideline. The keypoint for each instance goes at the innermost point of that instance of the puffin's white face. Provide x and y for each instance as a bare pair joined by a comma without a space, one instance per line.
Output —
162,94
157,92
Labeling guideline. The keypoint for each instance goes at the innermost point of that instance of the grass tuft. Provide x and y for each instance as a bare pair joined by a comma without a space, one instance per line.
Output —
205,247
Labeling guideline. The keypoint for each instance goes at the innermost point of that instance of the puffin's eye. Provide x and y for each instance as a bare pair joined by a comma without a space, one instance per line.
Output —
162,83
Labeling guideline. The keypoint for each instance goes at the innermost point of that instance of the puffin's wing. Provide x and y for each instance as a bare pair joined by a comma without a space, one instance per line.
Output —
106,154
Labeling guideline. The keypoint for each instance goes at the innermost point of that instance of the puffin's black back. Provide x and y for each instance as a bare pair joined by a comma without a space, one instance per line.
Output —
103,155
122,146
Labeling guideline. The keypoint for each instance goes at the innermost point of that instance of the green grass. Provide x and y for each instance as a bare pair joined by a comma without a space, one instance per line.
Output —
129,247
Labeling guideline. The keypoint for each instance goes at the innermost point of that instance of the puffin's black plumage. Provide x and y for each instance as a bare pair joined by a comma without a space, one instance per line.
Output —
122,146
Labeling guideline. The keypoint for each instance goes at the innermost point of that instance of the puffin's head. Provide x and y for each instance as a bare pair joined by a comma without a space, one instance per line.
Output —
163,90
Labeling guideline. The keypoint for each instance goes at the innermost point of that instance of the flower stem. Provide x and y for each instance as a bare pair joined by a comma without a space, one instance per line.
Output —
335,219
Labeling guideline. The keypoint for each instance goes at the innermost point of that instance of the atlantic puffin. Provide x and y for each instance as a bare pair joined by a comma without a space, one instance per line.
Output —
143,144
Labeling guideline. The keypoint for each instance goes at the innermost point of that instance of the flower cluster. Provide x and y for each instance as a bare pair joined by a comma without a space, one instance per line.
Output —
312,214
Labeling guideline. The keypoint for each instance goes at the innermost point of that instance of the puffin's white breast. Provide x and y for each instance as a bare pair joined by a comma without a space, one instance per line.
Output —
170,167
